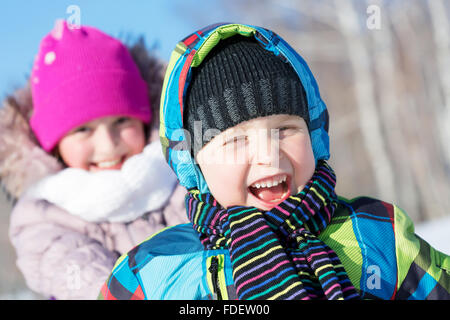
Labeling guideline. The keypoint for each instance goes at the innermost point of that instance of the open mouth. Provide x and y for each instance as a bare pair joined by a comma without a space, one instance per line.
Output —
272,190
114,164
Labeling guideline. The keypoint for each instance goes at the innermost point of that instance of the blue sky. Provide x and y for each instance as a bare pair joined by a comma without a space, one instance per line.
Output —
163,22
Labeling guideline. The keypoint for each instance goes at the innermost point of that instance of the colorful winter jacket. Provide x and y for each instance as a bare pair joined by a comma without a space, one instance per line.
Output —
374,240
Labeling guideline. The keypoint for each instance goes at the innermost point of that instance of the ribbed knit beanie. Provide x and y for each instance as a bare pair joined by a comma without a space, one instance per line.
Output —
81,74
239,80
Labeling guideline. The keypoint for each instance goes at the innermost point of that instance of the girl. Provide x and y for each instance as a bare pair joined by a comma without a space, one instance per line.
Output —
81,160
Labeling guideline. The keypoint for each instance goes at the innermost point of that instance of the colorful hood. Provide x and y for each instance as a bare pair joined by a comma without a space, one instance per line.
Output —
189,53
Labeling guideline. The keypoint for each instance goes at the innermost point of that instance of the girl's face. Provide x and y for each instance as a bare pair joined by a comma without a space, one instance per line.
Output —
103,144
258,163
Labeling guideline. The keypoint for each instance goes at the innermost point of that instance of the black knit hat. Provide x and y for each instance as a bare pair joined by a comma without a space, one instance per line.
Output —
239,80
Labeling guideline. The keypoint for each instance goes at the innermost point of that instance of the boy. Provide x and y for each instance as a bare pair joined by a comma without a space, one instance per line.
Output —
266,221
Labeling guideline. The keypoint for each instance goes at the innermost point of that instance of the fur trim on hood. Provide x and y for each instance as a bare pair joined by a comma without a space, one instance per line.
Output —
23,162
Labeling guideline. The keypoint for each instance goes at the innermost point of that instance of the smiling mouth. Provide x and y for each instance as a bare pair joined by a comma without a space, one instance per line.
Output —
272,190
114,164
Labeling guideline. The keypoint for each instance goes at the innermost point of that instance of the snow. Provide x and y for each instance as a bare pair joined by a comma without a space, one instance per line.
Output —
23,294
437,233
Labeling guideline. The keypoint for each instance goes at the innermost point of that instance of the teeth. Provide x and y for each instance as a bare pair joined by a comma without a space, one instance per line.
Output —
107,164
270,182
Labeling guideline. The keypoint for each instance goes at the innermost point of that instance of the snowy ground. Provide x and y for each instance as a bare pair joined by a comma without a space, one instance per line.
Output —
436,233
23,294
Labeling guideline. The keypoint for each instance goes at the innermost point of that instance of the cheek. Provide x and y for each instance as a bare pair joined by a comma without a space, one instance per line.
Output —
225,183
75,154
301,157
134,138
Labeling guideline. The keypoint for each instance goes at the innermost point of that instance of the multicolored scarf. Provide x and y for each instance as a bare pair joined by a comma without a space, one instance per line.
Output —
276,254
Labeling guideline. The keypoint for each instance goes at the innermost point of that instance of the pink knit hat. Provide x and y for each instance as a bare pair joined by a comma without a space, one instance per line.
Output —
80,75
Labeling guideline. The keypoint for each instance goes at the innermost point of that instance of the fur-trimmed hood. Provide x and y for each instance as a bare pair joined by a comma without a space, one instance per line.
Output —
23,162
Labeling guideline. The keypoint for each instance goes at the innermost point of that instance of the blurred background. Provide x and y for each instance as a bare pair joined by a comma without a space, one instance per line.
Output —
383,69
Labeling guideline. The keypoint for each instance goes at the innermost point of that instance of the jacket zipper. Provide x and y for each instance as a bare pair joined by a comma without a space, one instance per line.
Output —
214,269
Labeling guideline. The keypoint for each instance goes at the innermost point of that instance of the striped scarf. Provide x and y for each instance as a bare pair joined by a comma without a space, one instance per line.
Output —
276,254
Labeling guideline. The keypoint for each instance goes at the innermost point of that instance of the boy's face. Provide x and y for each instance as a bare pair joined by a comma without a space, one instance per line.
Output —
103,144
259,162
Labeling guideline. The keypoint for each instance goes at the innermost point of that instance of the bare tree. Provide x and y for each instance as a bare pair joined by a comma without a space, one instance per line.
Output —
369,117
441,30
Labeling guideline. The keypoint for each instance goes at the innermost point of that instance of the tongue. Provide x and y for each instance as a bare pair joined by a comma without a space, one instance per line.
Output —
269,194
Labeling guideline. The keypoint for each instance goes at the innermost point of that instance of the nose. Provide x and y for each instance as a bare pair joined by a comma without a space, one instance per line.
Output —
105,140
266,151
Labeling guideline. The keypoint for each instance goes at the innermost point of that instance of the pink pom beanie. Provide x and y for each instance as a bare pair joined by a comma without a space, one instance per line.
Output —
80,75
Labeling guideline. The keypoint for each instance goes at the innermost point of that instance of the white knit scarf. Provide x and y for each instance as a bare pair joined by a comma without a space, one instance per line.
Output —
144,183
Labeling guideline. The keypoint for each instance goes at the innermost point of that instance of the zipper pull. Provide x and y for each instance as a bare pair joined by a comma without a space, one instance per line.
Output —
214,269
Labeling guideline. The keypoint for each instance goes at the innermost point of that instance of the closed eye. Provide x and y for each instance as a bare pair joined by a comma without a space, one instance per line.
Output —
237,139
121,120
82,130
288,130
